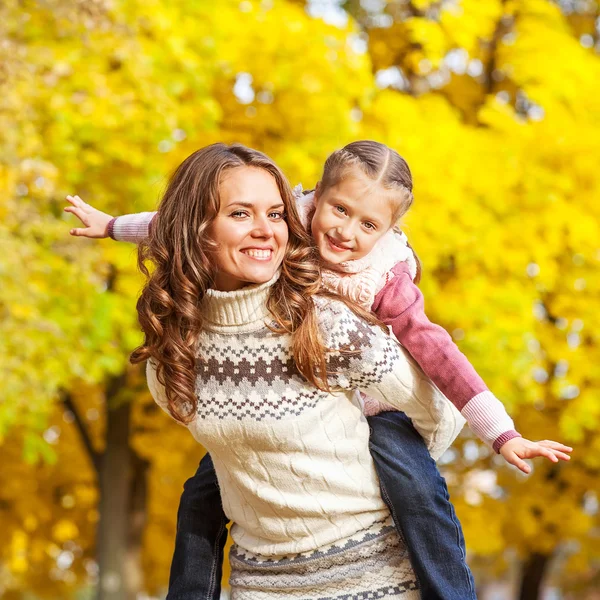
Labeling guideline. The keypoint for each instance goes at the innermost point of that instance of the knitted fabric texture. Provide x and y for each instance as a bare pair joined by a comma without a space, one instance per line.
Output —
371,564
292,461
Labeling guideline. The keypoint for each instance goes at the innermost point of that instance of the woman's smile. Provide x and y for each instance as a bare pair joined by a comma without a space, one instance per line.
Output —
261,254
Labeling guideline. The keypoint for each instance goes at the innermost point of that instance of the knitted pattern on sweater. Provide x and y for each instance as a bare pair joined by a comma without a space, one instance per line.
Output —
292,461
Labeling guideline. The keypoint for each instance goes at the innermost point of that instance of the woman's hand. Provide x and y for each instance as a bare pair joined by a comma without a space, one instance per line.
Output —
515,450
95,221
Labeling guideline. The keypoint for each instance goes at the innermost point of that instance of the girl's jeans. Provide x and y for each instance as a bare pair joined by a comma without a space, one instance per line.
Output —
411,486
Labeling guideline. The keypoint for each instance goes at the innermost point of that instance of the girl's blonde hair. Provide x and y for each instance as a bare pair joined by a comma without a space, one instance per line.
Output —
382,165
180,248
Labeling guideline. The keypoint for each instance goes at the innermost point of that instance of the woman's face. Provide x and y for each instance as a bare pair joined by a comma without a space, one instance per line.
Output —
250,229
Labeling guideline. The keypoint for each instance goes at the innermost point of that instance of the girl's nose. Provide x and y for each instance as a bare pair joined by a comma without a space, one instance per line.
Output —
345,231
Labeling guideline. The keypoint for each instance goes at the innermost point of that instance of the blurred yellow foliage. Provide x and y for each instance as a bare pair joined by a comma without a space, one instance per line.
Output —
496,107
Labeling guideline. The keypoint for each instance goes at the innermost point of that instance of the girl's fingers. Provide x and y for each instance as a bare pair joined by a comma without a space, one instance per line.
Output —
561,455
78,212
520,464
78,232
77,201
541,451
555,446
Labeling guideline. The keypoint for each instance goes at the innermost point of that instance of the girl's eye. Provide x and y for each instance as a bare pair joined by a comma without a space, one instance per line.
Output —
340,209
369,225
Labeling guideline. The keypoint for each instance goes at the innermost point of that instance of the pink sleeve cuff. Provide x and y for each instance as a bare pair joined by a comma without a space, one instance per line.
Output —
500,441
110,228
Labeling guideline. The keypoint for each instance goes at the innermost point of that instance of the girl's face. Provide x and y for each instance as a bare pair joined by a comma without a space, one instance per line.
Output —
350,218
250,229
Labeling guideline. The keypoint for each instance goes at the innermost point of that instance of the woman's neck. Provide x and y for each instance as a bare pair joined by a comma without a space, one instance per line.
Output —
237,311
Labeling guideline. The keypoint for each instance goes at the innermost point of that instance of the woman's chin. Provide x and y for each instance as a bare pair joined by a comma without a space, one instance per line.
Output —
260,275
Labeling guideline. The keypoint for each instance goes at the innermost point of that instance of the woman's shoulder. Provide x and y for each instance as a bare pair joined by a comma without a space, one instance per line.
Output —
338,323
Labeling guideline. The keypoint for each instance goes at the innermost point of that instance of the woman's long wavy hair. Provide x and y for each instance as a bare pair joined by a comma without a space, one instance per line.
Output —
179,246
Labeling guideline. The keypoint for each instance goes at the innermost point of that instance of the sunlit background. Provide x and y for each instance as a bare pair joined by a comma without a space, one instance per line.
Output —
495,104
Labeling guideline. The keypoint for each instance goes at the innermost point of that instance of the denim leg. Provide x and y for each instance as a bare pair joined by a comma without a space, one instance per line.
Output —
417,496
197,565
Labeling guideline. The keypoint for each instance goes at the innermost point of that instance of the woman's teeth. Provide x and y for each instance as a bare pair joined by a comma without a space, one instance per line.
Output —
260,254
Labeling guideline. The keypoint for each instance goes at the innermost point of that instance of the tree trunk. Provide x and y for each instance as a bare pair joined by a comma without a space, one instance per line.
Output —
114,483
532,575
138,505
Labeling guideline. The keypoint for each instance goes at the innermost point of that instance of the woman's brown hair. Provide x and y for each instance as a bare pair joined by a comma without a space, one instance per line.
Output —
179,246
381,164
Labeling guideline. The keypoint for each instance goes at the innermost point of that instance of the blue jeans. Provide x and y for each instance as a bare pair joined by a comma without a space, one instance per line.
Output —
411,486
418,499
197,566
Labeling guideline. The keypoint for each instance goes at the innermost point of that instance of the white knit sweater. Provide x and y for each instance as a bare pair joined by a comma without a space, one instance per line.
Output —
293,462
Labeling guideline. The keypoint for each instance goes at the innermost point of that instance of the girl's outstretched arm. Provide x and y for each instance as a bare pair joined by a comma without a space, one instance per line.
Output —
400,305
126,228
364,357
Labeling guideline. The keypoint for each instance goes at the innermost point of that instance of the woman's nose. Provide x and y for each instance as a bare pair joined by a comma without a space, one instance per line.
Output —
262,228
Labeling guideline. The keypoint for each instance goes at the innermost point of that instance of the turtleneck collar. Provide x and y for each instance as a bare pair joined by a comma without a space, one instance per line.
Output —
240,311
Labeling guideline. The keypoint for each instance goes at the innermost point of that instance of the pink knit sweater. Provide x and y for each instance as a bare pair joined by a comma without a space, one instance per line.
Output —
383,282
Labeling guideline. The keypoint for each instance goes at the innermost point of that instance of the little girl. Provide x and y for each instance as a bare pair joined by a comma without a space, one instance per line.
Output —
365,189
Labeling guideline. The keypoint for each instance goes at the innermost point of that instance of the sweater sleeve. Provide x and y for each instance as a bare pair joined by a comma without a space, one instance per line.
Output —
400,305
363,356
157,389
131,228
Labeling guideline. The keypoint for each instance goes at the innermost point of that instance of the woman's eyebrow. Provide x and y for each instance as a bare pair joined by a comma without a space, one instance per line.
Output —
251,205
244,204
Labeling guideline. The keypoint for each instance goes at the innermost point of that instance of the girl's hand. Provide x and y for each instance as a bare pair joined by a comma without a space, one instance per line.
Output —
95,221
515,450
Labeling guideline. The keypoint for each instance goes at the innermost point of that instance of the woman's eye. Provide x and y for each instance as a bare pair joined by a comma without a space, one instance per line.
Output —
277,215
340,209
238,214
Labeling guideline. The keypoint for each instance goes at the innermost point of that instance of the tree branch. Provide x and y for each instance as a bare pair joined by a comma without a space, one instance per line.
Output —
94,455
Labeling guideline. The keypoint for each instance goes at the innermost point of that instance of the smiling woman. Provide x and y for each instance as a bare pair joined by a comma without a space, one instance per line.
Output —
250,228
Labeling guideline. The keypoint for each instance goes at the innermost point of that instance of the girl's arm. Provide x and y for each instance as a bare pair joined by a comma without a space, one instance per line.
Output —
131,228
127,228
136,227
365,357
400,305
